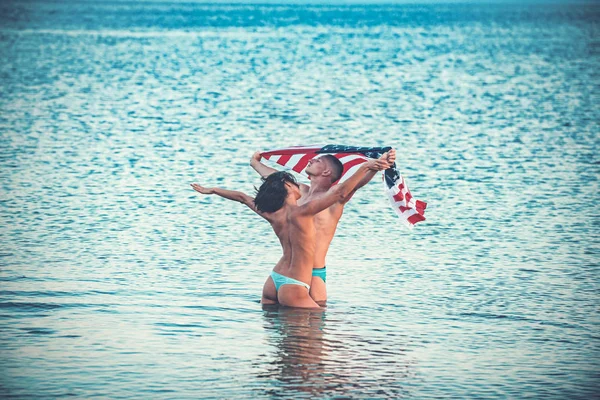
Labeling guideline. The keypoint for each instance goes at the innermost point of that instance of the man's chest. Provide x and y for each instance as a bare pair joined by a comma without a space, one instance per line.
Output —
326,217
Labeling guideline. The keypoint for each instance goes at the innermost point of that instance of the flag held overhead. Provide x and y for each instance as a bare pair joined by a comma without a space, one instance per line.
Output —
296,158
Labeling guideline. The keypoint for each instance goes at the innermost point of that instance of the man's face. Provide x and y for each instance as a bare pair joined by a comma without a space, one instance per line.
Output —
316,166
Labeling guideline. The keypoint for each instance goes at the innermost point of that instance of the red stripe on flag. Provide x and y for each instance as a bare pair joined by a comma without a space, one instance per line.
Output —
300,165
404,209
408,196
413,219
399,196
420,206
284,159
351,164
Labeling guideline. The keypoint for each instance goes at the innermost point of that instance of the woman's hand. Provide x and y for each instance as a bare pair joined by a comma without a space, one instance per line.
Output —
202,189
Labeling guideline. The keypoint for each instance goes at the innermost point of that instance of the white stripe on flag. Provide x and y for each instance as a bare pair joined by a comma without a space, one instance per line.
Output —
350,172
352,157
294,160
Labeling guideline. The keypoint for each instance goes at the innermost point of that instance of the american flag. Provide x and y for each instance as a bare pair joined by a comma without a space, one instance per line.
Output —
409,209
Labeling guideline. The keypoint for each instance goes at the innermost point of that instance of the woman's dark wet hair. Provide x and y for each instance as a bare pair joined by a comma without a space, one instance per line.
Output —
272,192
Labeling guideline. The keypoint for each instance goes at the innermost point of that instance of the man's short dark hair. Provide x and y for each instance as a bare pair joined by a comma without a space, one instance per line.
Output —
272,192
336,167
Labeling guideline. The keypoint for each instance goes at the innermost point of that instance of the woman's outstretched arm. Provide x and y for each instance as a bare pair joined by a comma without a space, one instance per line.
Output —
229,195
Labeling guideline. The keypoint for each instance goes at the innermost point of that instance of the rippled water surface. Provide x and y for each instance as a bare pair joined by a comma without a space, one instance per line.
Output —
118,281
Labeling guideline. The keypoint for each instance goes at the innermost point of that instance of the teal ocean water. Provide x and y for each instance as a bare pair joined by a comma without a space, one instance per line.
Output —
118,281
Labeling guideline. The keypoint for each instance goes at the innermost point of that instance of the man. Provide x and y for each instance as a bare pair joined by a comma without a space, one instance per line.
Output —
323,172
294,224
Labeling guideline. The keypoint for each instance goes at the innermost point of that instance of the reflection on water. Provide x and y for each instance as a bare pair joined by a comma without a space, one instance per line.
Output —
300,346
312,357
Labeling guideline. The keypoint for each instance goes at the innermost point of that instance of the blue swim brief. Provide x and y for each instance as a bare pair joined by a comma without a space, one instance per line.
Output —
281,280
320,273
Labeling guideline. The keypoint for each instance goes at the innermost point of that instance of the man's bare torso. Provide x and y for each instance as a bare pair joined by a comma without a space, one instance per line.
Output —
325,224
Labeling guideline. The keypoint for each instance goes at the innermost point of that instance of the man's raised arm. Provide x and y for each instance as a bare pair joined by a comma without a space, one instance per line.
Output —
259,167
390,157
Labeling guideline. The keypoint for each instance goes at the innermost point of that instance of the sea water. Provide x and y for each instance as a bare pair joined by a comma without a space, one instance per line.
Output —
117,280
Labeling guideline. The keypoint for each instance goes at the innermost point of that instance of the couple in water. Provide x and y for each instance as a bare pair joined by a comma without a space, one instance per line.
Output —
304,218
